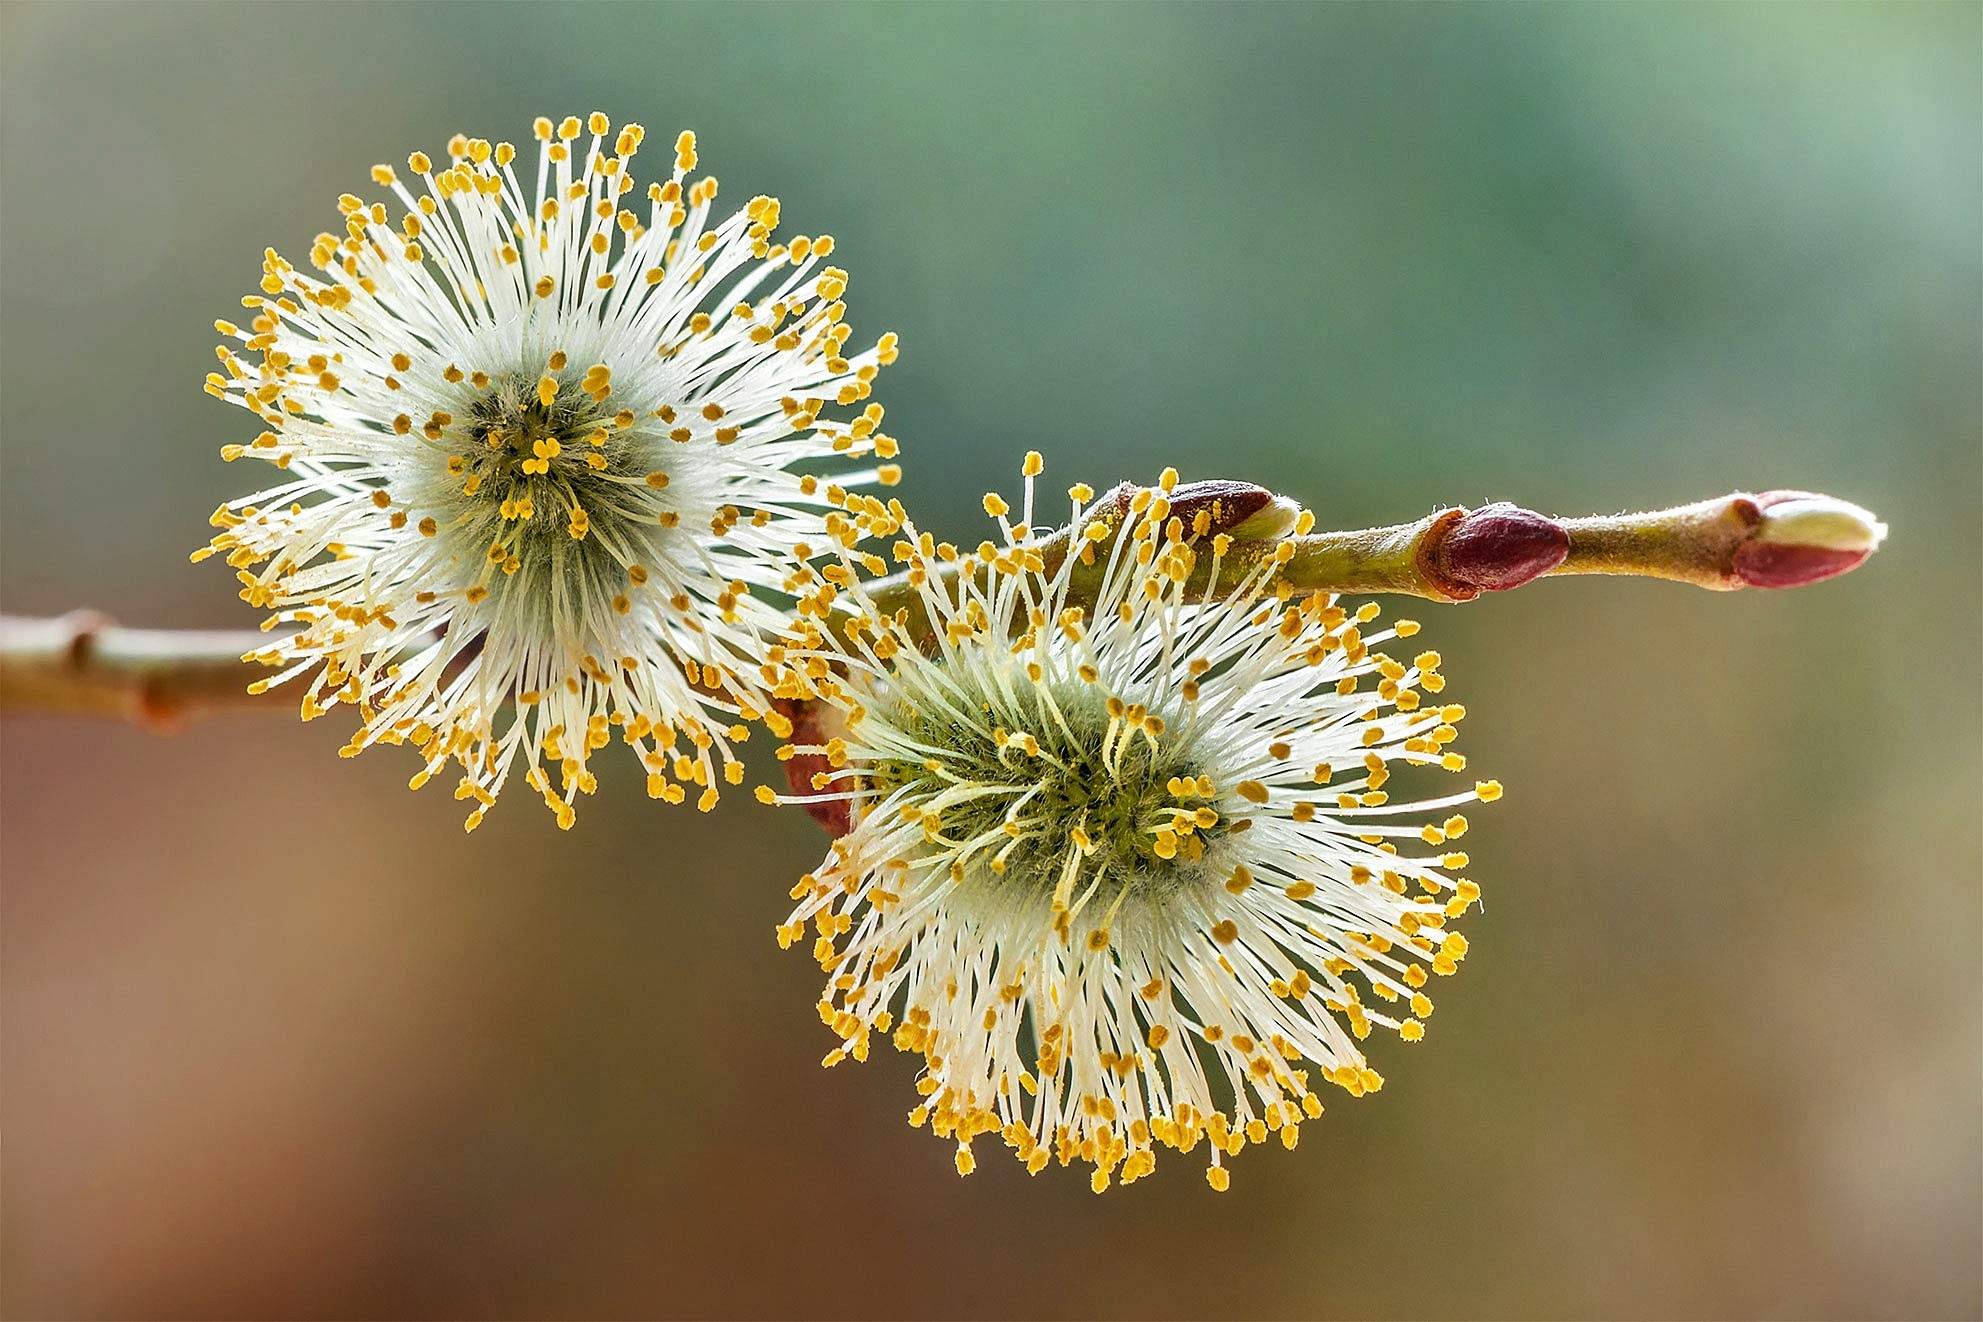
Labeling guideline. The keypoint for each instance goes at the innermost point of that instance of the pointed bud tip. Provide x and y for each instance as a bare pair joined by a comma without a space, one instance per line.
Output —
1501,546
1803,537
1804,518
1273,520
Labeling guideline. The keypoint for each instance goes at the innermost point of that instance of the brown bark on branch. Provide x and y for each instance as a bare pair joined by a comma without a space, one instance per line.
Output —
83,663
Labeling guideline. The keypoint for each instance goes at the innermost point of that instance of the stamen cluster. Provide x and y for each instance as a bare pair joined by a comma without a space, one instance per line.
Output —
543,452
1122,876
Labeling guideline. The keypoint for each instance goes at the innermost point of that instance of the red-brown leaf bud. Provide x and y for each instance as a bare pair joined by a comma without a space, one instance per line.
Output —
1497,547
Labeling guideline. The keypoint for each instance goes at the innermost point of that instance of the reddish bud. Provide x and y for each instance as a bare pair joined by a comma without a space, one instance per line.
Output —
836,815
1495,548
1231,504
1775,565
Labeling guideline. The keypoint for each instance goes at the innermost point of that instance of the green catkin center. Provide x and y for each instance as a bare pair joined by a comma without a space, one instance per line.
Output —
1120,787
509,417
509,430
557,495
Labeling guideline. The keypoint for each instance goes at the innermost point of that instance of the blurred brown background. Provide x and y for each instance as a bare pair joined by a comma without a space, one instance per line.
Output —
280,1040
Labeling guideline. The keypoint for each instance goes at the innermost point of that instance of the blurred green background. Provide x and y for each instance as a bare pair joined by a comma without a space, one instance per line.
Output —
280,1040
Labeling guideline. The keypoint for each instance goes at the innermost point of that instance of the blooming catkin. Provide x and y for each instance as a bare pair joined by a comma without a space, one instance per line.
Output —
1123,873
542,445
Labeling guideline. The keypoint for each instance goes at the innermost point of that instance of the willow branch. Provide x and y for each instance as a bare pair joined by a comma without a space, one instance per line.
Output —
83,663
1778,539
